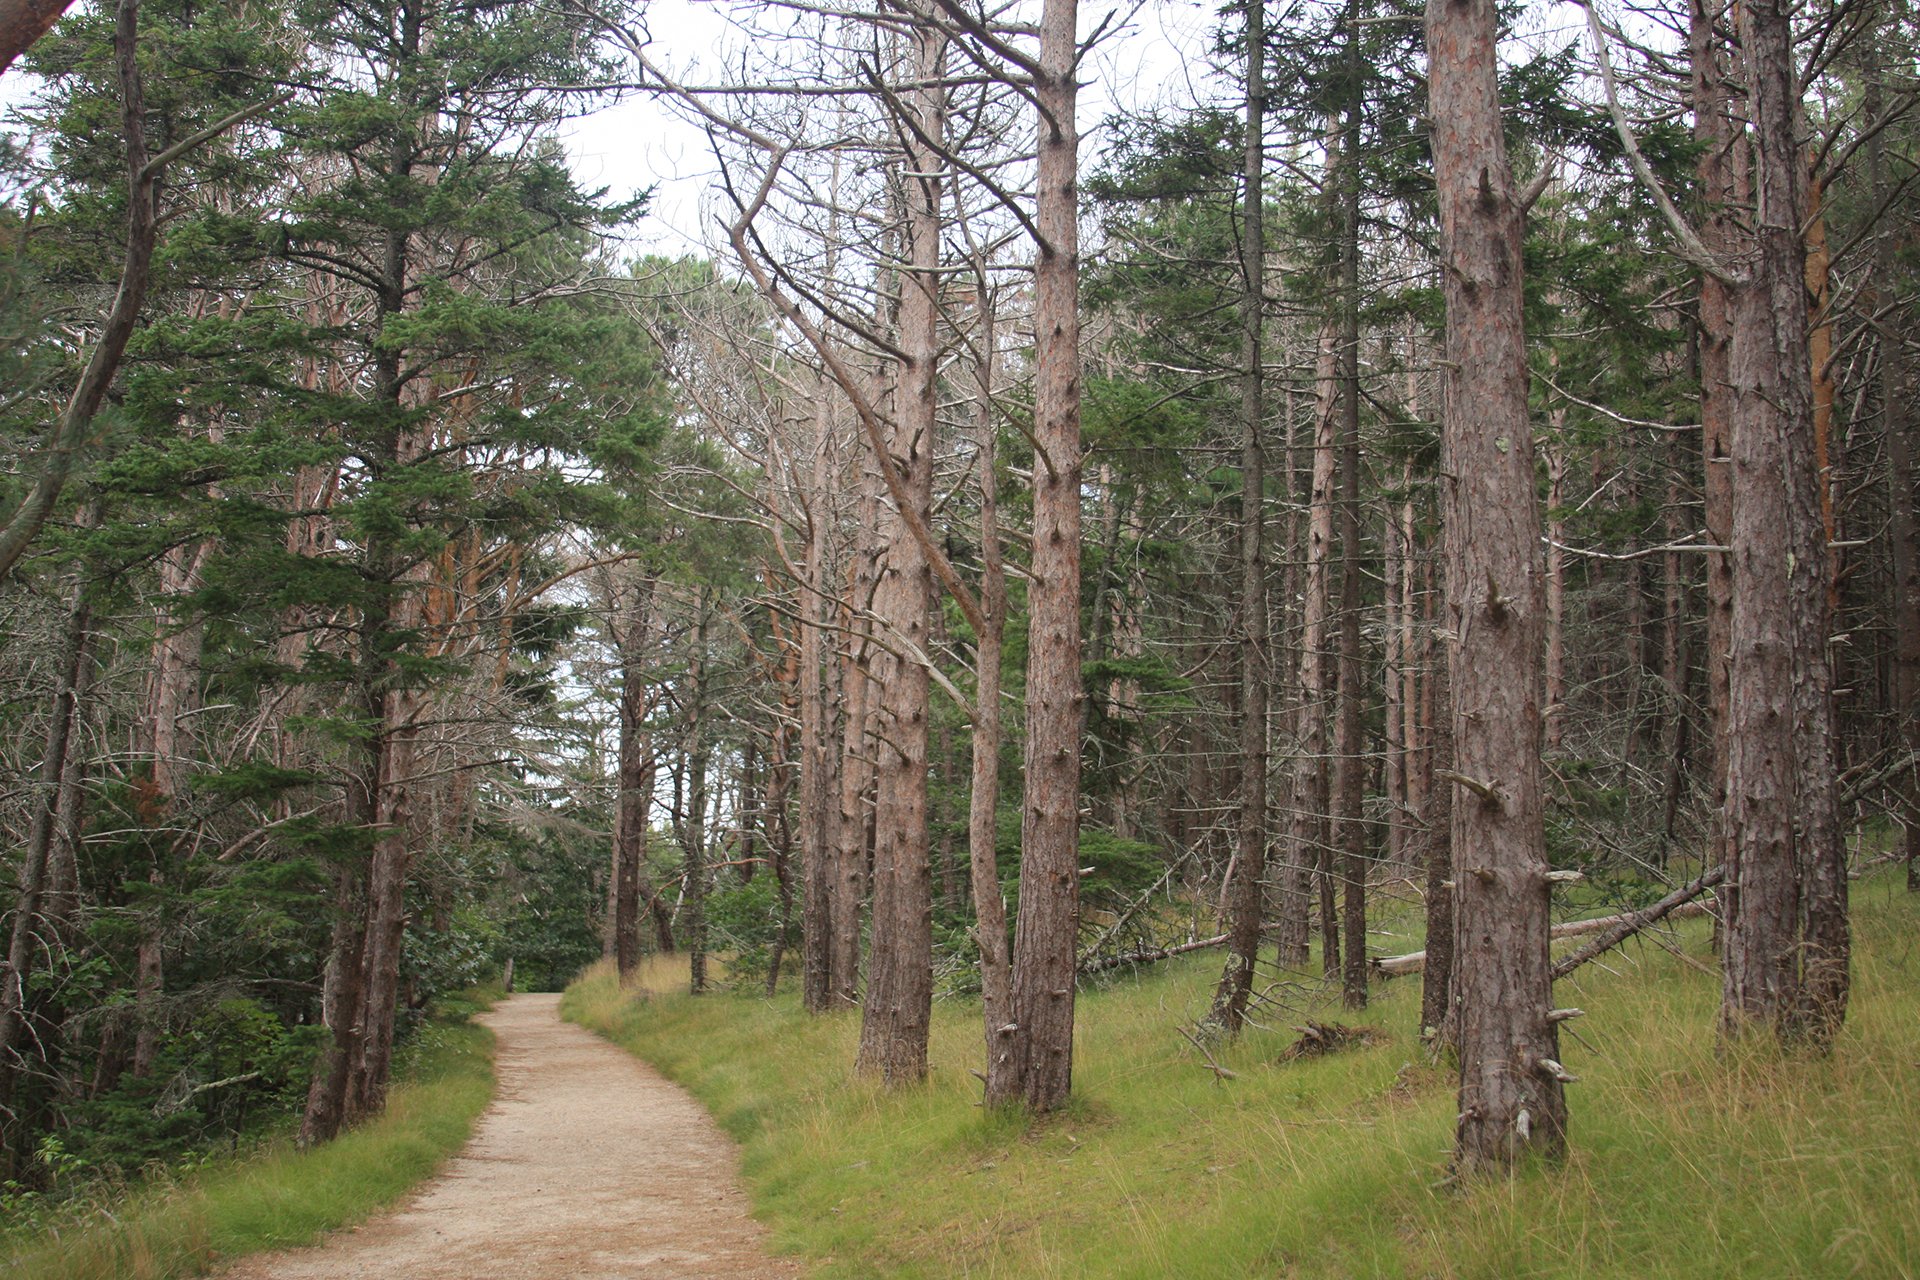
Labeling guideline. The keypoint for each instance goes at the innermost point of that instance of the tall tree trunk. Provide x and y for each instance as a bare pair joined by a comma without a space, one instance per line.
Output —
856,764
1349,745
1785,853
1042,996
983,827
172,690
693,824
1437,1021
633,887
1511,1099
1311,791
817,791
1719,157
1556,709
1250,889
897,1011
1903,526
30,930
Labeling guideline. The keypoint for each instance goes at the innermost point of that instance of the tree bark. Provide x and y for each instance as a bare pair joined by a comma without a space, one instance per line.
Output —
1511,1099
1311,790
1720,158
897,1011
1782,810
693,822
1350,759
817,790
1042,995
983,828
633,888
1250,890
1903,525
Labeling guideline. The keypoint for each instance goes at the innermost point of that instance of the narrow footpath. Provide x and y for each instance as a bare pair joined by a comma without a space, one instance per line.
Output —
589,1165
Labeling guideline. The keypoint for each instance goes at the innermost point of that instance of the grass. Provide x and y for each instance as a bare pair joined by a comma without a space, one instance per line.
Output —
1687,1160
278,1196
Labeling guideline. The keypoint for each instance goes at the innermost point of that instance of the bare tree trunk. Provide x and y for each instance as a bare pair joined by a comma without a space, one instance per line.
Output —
30,924
1511,1099
1782,812
817,792
1311,791
1396,675
1042,995
1556,708
1903,526
633,889
693,823
778,817
171,694
387,901
1349,746
1437,1020
989,904
898,1008
856,765
1714,131
1250,890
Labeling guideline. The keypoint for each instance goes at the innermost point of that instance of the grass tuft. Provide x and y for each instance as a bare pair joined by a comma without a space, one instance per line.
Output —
1688,1159
277,1196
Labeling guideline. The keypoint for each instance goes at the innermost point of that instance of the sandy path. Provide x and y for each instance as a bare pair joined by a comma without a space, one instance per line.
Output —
589,1165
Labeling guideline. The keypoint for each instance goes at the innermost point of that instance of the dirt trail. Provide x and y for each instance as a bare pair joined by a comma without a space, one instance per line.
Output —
589,1165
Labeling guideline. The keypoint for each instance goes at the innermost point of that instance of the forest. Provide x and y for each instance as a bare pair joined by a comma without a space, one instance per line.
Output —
1372,497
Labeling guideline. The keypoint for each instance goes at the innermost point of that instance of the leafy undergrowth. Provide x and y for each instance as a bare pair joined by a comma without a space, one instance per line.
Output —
1687,1160
277,1196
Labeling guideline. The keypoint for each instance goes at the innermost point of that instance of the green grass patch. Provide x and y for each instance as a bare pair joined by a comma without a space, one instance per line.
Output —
1687,1160
277,1196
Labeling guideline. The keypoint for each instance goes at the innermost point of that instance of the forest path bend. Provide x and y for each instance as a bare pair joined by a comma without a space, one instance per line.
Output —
588,1165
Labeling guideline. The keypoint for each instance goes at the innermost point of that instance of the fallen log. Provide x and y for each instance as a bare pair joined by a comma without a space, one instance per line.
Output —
1147,955
1680,901
1614,929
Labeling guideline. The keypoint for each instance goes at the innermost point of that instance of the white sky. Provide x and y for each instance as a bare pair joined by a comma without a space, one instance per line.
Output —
641,142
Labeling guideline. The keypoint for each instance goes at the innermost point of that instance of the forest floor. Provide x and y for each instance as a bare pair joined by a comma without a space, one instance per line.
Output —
588,1164
1688,1158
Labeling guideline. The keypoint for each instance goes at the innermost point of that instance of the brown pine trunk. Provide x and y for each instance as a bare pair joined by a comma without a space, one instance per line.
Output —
897,1011
172,690
777,819
1785,852
1250,888
1826,933
693,822
1349,744
633,888
1511,1100
1556,709
1437,1023
386,903
1041,1002
1719,156
856,763
989,904
1903,526
1311,789
817,790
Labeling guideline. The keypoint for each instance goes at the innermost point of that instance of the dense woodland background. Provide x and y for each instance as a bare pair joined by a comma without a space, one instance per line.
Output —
404,576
